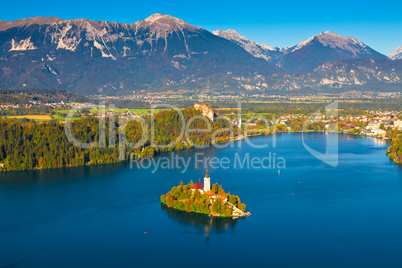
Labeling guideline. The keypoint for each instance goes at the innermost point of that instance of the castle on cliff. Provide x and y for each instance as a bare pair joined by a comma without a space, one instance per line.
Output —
206,110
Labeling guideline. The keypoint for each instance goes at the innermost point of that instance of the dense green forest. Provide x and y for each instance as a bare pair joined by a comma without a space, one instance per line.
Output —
27,145
24,96
183,198
42,109
395,150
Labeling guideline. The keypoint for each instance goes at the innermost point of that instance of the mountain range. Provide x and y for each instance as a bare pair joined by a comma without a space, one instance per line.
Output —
165,53
309,54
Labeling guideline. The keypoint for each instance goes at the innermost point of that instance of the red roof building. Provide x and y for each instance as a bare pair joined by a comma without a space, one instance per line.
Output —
198,186
223,198
210,193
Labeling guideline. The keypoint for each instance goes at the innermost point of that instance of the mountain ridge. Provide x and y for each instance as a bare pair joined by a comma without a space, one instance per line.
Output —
4,25
267,52
162,52
325,47
110,57
315,51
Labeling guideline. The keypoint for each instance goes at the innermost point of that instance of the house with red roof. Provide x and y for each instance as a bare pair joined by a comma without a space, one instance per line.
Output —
198,186
203,187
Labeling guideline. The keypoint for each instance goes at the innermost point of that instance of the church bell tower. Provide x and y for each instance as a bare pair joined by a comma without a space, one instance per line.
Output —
207,182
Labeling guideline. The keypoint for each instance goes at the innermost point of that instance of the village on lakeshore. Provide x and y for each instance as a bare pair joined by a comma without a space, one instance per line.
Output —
375,123
229,123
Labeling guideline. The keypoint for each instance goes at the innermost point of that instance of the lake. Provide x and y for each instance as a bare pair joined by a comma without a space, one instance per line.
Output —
309,214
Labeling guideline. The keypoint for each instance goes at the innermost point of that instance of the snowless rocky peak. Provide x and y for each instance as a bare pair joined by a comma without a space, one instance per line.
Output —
154,17
4,25
266,52
161,26
334,40
102,35
396,54
232,35
229,34
160,19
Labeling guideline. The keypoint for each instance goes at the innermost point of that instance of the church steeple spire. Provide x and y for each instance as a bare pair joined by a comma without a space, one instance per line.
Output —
207,182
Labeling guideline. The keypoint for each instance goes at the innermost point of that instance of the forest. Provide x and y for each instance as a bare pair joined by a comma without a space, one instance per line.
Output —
25,96
395,150
27,145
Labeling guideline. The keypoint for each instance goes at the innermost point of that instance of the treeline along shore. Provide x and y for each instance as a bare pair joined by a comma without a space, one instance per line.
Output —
29,145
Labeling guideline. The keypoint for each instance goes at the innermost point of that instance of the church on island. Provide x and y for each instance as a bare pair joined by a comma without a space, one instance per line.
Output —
206,188
205,198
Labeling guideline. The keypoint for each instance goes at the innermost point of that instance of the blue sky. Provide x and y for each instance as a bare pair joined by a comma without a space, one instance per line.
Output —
378,24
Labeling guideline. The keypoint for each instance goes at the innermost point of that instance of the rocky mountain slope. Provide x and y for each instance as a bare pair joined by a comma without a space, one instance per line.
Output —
309,54
332,77
165,53
4,25
109,57
270,54
396,54
325,47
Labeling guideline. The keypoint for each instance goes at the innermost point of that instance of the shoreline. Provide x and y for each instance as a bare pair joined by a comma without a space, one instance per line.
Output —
236,139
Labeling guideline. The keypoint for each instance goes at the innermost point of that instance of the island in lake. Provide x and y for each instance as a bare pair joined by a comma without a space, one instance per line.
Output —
205,199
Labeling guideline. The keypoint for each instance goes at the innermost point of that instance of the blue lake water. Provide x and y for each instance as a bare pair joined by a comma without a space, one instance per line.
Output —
309,215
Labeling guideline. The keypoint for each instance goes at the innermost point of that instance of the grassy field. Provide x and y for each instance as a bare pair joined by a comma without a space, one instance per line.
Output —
63,118
34,117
